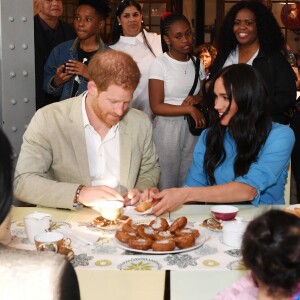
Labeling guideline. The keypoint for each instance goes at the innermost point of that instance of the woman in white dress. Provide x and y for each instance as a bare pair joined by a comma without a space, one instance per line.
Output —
129,36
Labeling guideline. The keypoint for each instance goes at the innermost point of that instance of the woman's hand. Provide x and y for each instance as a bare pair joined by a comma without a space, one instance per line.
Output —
168,200
190,100
198,117
60,77
75,67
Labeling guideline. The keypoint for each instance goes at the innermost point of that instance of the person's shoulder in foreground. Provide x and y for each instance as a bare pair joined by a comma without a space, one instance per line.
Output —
270,250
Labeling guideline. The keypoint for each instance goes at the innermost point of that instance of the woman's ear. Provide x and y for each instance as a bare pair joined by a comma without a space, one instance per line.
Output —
167,40
119,21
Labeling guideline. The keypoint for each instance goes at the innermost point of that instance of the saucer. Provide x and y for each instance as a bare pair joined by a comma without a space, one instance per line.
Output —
212,224
105,224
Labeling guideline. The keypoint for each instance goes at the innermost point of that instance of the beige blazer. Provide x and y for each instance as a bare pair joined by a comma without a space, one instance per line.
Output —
53,158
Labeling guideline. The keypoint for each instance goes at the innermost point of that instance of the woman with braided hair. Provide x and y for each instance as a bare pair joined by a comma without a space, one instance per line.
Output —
170,81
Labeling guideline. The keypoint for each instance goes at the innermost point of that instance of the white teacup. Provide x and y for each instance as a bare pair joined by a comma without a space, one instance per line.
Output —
110,209
52,241
36,223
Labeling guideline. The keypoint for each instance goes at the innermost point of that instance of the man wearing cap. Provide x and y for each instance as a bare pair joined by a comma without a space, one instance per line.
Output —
92,147
49,31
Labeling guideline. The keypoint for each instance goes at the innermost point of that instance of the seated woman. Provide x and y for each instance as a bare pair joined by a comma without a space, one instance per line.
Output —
243,156
273,262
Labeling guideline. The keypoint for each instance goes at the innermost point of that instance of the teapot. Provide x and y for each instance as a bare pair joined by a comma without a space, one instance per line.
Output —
35,223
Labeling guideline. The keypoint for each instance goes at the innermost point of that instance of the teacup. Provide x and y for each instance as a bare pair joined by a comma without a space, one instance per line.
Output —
36,223
110,209
52,241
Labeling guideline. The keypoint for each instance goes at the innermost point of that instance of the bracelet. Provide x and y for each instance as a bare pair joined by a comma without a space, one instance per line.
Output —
76,203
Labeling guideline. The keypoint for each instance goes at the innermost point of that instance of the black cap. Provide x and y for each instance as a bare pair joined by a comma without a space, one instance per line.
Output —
101,6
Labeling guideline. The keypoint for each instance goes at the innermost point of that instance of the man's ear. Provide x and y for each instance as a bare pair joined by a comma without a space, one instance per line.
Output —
92,88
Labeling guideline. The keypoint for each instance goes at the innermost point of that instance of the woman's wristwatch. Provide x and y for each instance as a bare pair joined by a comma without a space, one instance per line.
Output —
76,203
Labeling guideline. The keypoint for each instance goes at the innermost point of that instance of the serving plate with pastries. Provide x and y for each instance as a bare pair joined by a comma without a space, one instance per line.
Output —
159,236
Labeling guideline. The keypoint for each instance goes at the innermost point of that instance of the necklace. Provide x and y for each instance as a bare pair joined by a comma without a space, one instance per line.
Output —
187,62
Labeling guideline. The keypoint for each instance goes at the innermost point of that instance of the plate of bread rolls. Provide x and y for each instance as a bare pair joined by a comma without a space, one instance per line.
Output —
159,236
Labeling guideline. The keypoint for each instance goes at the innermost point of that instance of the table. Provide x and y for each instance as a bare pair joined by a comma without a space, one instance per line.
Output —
193,273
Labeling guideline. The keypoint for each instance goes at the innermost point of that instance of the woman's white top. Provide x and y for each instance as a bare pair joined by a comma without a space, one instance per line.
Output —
136,47
178,77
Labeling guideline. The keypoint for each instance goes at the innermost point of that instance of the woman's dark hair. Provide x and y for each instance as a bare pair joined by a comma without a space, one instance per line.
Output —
101,6
271,250
6,171
268,31
249,127
117,29
206,48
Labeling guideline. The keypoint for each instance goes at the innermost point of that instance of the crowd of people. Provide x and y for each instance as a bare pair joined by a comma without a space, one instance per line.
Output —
118,127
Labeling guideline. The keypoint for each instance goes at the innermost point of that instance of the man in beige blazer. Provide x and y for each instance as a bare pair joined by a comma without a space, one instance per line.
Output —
54,166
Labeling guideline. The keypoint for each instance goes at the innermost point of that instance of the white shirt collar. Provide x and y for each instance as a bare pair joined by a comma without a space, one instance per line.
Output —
133,40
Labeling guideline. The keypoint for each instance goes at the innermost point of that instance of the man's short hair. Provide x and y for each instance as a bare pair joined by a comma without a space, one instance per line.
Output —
114,67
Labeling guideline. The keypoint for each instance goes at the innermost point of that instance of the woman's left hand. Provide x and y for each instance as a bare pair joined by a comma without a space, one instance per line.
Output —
75,67
132,197
190,100
168,200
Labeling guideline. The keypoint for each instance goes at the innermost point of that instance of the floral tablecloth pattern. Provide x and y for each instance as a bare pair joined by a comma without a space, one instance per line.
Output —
95,248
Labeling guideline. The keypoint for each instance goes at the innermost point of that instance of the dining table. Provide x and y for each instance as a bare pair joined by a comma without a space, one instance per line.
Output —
107,269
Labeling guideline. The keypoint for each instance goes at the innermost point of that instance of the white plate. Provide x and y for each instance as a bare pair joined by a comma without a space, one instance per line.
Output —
199,242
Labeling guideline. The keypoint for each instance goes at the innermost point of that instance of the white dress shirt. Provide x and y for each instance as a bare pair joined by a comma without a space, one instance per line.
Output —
103,155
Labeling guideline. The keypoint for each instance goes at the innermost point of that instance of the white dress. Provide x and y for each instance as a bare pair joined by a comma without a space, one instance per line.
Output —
140,52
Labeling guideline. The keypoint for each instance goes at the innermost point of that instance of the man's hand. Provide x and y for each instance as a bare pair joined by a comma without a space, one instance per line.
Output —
92,195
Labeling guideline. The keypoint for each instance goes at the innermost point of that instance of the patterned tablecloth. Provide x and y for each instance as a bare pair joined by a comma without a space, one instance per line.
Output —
95,248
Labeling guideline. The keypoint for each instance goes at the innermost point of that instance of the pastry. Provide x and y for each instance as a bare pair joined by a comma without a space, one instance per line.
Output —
183,242
140,243
145,231
143,206
163,235
187,231
178,224
163,245
159,224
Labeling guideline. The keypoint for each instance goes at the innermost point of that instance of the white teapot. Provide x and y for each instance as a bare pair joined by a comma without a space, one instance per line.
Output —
35,223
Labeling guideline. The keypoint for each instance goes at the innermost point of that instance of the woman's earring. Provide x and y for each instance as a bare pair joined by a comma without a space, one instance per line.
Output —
142,21
119,24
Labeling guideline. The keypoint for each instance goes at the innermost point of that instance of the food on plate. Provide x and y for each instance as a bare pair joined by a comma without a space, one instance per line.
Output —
143,206
187,231
124,237
159,224
295,211
183,242
163,245
145,231
178,224
163,235
129,226
140,243
157,235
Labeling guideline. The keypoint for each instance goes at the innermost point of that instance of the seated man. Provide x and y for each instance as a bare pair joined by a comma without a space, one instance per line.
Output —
79,151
